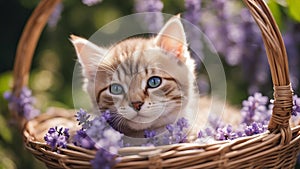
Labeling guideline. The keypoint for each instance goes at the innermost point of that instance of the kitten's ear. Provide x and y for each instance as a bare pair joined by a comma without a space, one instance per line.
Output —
172,38
89,55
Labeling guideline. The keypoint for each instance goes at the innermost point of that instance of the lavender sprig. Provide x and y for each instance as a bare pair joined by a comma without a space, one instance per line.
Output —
22,104
151,139
154,20
103,160
83,118
237,38
98,134
207,132
225,133
255,109
91,2
177,132
182,123
55,16
193,12
292,42
57,137
81,139
296,105
255,128
193,15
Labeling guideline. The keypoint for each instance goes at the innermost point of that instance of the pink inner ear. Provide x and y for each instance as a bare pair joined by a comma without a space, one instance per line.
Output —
79,46
75,40
171,45
172,38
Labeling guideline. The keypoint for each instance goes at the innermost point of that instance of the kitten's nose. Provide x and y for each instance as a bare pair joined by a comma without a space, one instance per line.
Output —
137,105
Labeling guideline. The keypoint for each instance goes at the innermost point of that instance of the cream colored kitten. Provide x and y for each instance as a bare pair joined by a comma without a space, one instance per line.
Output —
145,83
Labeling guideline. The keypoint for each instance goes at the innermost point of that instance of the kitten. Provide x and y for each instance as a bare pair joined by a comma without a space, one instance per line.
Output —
145,83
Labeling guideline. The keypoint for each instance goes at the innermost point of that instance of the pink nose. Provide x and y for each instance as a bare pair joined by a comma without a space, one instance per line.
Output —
137,105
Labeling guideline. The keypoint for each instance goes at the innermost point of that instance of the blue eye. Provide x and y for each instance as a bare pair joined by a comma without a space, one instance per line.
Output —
116,89
154,82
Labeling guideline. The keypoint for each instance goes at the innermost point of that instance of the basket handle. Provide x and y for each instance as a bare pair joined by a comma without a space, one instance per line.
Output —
27,45
273,42
277,58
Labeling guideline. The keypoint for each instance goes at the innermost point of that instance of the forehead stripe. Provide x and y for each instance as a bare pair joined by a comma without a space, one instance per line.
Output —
169,79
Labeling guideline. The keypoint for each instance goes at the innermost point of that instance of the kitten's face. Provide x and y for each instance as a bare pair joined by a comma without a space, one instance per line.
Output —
145,83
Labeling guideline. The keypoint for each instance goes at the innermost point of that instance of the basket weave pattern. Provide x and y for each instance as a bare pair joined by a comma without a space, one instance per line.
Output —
277,148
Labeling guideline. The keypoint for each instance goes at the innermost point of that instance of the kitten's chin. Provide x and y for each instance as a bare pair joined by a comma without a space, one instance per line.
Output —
139,125
143,119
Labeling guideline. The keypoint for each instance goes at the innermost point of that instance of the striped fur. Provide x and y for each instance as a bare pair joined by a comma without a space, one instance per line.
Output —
131,63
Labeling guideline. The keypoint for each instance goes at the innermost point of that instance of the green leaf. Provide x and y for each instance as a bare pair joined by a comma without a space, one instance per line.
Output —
293,8
5,81
275,9
5,133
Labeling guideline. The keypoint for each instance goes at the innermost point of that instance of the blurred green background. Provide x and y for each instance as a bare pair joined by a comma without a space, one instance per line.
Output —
54,59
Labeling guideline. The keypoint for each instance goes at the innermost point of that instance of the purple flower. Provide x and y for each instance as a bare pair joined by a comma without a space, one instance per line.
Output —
106,115
103,160
291,38
97,126
176,132
225,133
209,132
296,105
91,2
200,134
30,112
55,16
215,121
220,135
154,20
170,128
66,132
57,137
255,128
7,96
249,130
83,118
22,104
193,15
149,133
239,134
98,134
180,137
182,123
193,12
237,39
255,109
151,139
148,5
81,139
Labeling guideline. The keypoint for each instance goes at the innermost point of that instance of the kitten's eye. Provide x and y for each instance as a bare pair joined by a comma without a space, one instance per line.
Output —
154,82
116,89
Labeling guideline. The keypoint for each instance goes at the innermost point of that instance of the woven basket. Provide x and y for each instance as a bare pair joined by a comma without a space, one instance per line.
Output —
277,148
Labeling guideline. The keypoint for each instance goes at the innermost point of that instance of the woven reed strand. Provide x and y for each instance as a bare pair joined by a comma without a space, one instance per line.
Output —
278,62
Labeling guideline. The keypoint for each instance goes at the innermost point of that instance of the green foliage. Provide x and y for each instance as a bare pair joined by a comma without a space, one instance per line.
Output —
275,9
5,131
5,134
293,9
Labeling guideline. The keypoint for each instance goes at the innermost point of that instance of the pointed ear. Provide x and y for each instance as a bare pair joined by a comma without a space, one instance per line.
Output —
172,38
89,55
